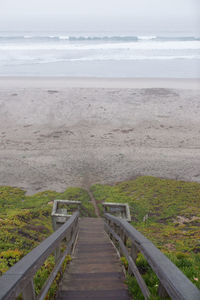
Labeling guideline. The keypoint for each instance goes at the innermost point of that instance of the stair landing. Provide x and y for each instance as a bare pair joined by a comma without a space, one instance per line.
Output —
95,271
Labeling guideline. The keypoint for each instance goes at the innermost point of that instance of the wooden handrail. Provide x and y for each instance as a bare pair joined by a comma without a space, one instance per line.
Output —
173,282
19,278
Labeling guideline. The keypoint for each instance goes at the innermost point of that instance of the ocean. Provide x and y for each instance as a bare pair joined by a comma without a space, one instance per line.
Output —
100,54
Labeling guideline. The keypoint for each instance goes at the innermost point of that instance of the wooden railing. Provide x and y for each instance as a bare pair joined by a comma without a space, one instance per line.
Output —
19,279
173,283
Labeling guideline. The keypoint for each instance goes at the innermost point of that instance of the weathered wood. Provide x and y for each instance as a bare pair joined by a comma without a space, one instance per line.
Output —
61,215
132,265
177,285
15,280
57,254
56,269
29,291
95,271
134,252
58,212
122,209
162,293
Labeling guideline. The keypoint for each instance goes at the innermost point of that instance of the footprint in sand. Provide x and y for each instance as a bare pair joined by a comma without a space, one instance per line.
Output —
28,125
127,130
52,91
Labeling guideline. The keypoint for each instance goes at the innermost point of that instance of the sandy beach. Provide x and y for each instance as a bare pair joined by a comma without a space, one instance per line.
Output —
60,132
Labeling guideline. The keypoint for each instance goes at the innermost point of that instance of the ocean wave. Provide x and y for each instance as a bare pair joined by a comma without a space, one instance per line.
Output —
135,57
145,45
150,37
43,60
63,37
113,38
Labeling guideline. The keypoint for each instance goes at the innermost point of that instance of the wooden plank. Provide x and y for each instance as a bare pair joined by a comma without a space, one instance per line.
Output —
90,275
97,295
177,285
29,291
162,293
134,252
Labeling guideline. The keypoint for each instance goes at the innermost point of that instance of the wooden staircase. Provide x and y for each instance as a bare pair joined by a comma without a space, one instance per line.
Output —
95,271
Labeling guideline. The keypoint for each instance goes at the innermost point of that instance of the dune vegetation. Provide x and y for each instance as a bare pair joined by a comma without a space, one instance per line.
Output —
25,221
166,211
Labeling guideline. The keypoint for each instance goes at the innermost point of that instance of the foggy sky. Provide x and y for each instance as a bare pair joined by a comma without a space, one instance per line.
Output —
47,14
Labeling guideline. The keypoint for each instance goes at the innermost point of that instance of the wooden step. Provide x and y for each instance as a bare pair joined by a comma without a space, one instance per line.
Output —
95,271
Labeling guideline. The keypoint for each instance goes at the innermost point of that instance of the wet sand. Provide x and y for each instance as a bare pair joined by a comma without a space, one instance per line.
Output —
60,132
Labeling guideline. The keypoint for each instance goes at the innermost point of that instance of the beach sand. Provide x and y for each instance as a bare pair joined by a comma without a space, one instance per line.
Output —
61,132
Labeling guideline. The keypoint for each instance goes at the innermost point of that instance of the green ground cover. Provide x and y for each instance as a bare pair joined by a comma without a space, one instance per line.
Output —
25,221
172,212
165,211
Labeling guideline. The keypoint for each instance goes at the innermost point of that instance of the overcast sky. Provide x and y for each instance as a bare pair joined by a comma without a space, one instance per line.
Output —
49,14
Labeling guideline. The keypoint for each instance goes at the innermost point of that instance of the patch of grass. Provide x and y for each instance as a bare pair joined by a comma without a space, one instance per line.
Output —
43,273
149,277
25,221
172,212
170,207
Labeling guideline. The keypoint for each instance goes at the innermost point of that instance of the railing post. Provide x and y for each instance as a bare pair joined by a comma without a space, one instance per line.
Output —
162,293
29,291
120,233
57,253
134,252
111,226
125,239
117,230
133,255
72,233
123,236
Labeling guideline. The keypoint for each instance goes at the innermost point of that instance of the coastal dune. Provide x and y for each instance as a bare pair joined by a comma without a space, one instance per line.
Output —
60,132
